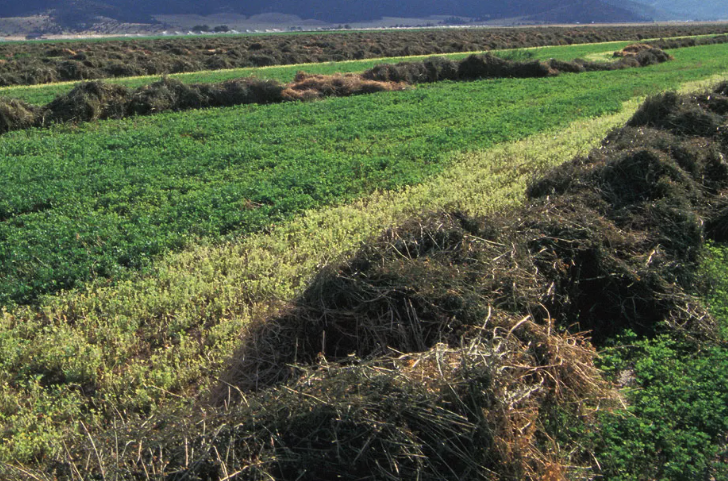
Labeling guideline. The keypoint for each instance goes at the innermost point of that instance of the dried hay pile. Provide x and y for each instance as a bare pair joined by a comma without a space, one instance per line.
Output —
17,115
701,115
470,411
434,69
87,102
243,91
632,50
481,66
166,95
441,350
566,67
437,69
490,66
310,87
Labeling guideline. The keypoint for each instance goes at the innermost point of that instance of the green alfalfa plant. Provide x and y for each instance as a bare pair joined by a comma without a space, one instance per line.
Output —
515,55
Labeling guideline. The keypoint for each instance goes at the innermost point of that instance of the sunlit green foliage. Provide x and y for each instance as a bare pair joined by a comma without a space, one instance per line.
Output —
676,421
156,184
42,94
96,200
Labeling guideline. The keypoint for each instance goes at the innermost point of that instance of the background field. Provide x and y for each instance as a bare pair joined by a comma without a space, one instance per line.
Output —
31,63
133,252
159,183
42,94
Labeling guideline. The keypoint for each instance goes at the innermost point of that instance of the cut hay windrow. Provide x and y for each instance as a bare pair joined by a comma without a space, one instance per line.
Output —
35,63
490,66
440,349
92,101
636,49
675,43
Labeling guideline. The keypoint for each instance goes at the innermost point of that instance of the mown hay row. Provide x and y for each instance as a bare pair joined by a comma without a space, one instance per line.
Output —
438,351
636,49
33,63
489,66
98,101
92,101
309,87
675,43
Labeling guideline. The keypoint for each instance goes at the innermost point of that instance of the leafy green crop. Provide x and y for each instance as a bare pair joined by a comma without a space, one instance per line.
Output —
677,420
98,200
677,390
42,94
716,268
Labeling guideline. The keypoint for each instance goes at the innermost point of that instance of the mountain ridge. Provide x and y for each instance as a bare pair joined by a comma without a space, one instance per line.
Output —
350,11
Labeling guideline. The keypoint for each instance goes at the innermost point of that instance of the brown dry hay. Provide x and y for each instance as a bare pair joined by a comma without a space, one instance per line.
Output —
88,102
96,100
16,115
308,87
446,413
440,349
632,50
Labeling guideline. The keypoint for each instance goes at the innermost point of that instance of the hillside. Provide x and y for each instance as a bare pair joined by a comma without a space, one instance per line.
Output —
588,11
692,9
77,12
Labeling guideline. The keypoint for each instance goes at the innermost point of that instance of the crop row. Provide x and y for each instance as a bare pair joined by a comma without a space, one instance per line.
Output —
38,63
105,355
95,100
45,93
102,200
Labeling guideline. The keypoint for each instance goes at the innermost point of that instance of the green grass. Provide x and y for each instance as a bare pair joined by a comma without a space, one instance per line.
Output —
716,267
156,340
101,199
677,417
127,348
42,94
